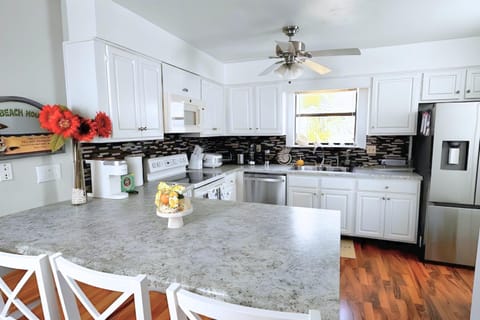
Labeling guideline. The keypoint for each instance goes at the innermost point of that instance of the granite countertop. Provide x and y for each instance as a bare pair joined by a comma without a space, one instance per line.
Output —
287,169
265,256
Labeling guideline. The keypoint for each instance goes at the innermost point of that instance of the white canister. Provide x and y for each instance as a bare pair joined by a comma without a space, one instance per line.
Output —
135,166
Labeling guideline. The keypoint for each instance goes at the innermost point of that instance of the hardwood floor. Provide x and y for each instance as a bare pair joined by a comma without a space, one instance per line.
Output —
385,281
391,283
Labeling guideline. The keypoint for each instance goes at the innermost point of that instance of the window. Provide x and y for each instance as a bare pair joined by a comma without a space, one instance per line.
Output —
326,116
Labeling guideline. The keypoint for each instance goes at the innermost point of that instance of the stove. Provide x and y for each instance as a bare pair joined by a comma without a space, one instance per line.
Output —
173,169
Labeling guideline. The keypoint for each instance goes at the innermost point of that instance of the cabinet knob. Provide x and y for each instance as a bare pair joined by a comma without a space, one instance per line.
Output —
185,90
214,129
386,187
457,92
140,129
249,128
468,90
383,198
388,198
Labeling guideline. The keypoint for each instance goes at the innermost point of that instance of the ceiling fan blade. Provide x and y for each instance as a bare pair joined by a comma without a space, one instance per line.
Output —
270,68
286,46
315,66
336,52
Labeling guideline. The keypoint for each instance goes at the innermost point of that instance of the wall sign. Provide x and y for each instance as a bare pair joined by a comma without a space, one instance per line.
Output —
20,131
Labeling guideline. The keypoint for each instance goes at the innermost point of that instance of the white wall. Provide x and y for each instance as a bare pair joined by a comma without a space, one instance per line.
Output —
107,20
412,57
31,65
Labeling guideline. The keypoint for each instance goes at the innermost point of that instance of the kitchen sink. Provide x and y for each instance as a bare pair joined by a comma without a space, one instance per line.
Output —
320,168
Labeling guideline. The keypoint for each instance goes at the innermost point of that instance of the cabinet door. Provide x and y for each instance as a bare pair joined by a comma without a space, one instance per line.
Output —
344,202
125,108
213,117
394,106
178,81
472,87
150,95
443,85
240,110
302,197
370,214
268,110
401,217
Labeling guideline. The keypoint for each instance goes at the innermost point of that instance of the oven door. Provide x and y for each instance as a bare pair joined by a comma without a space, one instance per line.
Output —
209,191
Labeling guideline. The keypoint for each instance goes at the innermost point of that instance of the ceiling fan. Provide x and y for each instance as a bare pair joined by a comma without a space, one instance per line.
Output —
293,56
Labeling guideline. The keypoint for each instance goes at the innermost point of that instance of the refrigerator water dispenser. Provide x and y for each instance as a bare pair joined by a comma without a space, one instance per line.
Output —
454,155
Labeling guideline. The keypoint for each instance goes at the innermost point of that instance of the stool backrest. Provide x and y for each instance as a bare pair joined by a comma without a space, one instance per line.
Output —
183,304
39,267
66,275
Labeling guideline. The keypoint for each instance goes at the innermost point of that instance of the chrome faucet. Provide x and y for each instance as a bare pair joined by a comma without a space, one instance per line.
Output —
315,146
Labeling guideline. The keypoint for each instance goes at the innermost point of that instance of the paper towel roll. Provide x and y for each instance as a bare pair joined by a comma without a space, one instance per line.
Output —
135,166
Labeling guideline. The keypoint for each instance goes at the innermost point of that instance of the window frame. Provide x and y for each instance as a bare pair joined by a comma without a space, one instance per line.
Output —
362,84
326,115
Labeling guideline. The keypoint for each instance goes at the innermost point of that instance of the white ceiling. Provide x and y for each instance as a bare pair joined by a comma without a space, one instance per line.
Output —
241,30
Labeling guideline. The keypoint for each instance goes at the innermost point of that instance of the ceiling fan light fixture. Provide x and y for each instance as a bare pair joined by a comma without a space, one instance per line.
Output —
289,71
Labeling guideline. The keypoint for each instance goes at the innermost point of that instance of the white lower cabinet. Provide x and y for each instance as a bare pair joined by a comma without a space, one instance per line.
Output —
302,197
387,209
342,200
384,209
324,193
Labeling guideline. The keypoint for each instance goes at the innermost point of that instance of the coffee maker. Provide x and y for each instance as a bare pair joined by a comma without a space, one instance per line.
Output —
106,178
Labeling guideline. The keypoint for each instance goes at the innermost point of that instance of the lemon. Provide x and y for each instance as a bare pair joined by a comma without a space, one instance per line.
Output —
300,162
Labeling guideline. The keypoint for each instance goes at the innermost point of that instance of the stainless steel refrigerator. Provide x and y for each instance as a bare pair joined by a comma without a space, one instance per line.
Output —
446,154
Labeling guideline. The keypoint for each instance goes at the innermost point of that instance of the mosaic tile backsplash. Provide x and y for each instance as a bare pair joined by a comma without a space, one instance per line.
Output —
387,147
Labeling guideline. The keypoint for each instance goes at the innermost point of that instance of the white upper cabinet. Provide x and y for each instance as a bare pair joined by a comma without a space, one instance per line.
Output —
451,85
394,106
269,111
255,110
472,85
213,117
443,85
136,95
180,82
125,85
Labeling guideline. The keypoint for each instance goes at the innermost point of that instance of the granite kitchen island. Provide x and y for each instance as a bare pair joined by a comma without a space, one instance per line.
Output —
265,256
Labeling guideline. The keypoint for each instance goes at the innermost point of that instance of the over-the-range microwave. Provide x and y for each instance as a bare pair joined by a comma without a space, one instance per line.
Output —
182,114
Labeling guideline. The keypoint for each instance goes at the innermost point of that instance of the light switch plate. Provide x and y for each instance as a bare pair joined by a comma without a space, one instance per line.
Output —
48,173
6,171
372,150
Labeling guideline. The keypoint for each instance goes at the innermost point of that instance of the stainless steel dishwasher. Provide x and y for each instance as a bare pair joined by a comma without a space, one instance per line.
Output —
265,188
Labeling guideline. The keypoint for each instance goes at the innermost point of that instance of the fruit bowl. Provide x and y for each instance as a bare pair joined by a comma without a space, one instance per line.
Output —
175,219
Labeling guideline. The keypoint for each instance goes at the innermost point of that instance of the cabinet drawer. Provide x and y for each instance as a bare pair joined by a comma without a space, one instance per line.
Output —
386,185
337,183
302,181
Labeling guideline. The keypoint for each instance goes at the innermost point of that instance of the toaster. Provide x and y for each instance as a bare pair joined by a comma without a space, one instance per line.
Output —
212,160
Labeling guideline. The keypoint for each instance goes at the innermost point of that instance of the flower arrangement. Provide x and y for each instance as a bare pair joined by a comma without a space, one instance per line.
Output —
64,124
170,198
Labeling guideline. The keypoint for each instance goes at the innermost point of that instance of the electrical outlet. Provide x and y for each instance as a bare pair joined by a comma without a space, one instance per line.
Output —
6,171
48,173
372,150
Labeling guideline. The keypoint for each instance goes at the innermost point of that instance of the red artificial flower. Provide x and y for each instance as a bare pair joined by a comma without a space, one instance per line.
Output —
45,115
104,125
64,123
86,130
